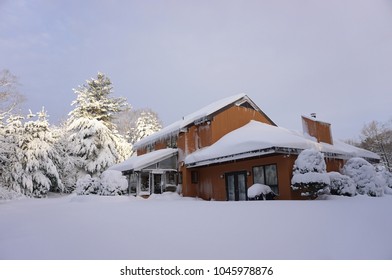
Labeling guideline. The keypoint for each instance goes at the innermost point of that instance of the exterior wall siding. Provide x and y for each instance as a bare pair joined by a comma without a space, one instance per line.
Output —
320,130
212,183
233,118
206,134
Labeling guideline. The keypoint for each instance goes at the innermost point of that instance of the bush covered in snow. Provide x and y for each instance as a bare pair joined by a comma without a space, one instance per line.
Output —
260,192
113,183
341,184
385,178
310,177
87,185
8,194
364,176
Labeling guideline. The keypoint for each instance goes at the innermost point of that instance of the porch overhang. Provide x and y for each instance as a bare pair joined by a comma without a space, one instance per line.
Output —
138,163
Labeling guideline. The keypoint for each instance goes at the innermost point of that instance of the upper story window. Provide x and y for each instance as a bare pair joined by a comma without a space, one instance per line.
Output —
150,148
172,141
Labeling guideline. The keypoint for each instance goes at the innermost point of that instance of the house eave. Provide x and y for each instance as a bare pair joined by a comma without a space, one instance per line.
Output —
264,152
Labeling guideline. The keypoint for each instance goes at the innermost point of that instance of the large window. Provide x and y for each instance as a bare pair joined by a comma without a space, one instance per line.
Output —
266,175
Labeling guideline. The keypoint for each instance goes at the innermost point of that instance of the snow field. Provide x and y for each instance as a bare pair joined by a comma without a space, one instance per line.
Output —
172,227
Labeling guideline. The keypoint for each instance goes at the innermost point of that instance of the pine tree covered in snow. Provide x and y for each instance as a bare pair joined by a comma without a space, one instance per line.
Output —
94,101
364,176
40,172
310,177
95,144
12,154
65,164
144,123
30,157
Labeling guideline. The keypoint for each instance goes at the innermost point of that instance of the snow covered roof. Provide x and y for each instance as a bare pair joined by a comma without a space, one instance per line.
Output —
204,112
257,138
137,163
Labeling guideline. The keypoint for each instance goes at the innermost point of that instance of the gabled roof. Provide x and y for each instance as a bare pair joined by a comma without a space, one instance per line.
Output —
256,138
199,115
137,163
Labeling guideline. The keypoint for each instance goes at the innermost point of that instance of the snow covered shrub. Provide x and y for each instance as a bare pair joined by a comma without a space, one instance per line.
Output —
341,184
364,176
113,183
87,185
8,194
310,177
260,192
385,178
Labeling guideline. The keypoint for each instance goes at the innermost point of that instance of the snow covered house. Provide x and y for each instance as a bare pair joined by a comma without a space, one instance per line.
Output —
222,149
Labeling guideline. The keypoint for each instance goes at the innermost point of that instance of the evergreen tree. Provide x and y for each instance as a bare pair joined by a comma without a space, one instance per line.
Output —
40,173
145,123
65,164
94,141
94,101
29,156
310,176
12,155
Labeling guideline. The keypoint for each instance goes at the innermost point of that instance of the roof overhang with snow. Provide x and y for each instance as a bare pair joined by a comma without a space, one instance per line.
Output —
137,163
259,139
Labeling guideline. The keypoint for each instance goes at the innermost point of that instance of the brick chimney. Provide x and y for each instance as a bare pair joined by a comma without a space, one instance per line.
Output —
318,129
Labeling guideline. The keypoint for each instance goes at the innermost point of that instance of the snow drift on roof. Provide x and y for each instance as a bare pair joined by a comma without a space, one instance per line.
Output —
174,128
139,162
257,138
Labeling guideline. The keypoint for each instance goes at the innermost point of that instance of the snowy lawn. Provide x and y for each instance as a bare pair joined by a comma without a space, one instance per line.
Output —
172,227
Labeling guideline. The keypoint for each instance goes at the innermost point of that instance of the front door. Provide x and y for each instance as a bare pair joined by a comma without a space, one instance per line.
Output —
236,186
157,183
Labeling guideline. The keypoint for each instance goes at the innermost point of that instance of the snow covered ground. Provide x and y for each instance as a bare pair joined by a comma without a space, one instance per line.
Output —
171,227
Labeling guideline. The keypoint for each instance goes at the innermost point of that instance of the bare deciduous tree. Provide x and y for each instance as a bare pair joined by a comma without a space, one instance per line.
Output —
10,98
377,137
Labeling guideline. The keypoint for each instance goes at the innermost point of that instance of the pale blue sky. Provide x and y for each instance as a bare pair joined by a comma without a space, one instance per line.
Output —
291,57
